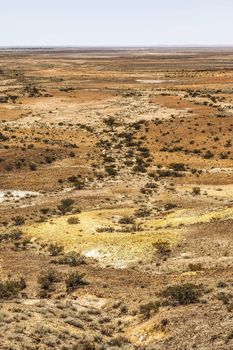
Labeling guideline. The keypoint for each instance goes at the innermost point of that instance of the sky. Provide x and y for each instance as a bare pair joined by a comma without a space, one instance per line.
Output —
116,22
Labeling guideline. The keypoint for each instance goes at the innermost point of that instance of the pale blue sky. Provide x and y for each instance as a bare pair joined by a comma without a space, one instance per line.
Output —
115,22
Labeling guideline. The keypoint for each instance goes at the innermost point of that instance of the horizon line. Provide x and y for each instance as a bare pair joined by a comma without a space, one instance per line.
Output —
117,46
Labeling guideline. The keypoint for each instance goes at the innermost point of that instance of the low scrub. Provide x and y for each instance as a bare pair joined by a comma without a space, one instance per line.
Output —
66,205
46,282
74,280
182,294
73,221
126,220
148,309
11,236
11,288
55,249
71,259
162,248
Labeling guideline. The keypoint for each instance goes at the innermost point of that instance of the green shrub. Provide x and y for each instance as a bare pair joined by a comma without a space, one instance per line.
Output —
149,308
11,288
142,212
177,166
126,220
182,294
55,249
224,156
208,155
72,154
66,205
168,173
46,282
74,280
111,170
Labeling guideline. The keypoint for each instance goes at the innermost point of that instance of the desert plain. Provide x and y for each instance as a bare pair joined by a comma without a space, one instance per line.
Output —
116,199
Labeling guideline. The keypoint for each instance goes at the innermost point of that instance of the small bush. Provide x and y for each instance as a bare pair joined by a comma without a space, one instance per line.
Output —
55,249
224,297
119,341
142,213
72,154
208,155
66,205
19,220
182,294
168,173
230,336
140,168
74,280
46,282
221,284
111,170
195,267
163,248
11,288
170,206
126,220
68,202
71,259
8,167
149,308
224,156
177,167
33,167
11,236
196,191
44,211
73,221
110,122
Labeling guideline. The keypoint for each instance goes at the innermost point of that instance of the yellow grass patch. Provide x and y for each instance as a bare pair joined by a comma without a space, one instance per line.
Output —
114,248
145,333
117,248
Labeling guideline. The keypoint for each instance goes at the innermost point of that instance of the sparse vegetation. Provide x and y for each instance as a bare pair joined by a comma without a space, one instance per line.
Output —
116,199
149,309
55,249
182,294
11,288
196,191
74,281
46,282
71,259
66,205
73,221
162,248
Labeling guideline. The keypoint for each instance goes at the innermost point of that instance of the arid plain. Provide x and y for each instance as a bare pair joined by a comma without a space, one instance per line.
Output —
116,199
